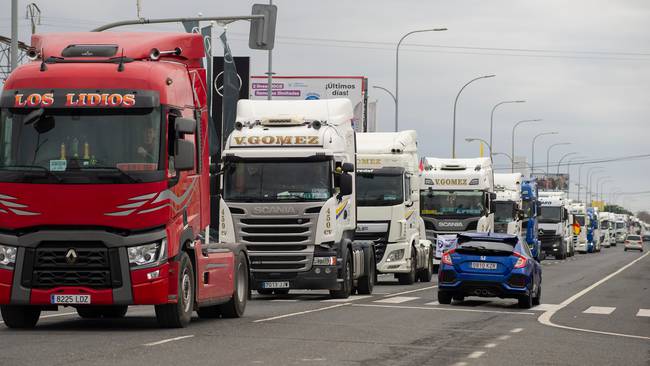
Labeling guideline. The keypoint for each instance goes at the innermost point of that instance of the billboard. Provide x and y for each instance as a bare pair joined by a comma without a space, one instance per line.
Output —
552,182
354,88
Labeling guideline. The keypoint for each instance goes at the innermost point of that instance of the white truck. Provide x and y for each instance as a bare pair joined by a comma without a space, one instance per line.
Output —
621,228
508,203
580,227
456,195
388,200
289,196
606,229
555,220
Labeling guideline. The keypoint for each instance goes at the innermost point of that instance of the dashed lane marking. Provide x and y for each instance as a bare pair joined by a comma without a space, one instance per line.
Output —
517,330
545,318
476,354
442,309
396,300
504,337
284,300
351,298
602,310
643,312
168,340
299,313
490,345
434,303
411,291
52,316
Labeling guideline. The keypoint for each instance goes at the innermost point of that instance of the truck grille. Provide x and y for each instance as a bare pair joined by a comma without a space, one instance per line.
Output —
278,244
501,227
548,237
49,265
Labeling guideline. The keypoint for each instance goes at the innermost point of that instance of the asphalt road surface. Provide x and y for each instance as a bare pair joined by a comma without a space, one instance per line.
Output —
595,311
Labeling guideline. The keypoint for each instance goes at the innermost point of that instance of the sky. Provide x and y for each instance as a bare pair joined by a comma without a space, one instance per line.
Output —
583,66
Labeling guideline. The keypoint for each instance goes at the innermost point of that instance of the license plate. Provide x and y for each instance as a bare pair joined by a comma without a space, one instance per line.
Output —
483,265
70,299
276,284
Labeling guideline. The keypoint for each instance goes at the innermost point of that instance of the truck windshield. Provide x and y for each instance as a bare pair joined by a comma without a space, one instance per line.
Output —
256,181
504,211
80,146
529,208
379,190
451,203
620,225
580,219
550,214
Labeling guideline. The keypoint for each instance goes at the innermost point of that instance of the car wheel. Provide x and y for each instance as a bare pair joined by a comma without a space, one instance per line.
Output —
444,297
19,316
525,302
178,315
346,286
236,306
538,299
409,278
459,298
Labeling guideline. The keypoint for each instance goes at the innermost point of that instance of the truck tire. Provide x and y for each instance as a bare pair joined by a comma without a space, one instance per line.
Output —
107,312
367,282
563,252
237,305
178,315
346,286
444,297
427,273
19,316
409,278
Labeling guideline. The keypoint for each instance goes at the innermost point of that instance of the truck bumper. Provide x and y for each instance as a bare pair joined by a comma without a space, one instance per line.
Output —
552,244
402,265
317,278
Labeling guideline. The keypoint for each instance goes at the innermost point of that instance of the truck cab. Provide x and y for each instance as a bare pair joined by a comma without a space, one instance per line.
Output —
456,195
508,211
289,196
555,224
388,195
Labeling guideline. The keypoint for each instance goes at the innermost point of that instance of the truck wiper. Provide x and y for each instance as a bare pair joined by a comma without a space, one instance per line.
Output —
131,178
39,168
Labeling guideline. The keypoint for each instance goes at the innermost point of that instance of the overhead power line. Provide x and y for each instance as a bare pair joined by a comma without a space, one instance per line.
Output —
585,162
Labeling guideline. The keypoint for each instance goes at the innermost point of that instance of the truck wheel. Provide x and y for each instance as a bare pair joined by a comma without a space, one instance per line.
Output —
444,297
346,287
409,278
427,273
367,282
20,317
237,305
179,315
108,312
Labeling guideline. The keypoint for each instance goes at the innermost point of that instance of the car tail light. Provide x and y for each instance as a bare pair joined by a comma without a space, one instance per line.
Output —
446,257
521,260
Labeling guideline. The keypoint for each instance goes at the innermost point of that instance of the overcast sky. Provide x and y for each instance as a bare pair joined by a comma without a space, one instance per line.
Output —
582,65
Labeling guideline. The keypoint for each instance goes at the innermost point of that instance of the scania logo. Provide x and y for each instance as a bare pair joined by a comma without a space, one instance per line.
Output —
71,256
274,210
450,224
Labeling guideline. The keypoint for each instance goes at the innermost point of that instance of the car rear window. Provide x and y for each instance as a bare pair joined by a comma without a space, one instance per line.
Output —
485,247
633,237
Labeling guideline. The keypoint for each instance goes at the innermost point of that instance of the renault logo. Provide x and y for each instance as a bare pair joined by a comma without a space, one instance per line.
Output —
71,256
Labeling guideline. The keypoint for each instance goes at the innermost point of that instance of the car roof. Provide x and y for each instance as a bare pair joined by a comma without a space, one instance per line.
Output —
495,237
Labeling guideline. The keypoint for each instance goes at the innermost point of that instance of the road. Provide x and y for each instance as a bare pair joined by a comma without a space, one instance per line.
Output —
595,311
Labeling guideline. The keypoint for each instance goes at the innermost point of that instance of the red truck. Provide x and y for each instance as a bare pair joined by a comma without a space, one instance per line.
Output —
105,183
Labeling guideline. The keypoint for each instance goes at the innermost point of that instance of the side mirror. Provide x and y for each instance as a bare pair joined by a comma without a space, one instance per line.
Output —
185,125
184,158
347,167
346,184
415,196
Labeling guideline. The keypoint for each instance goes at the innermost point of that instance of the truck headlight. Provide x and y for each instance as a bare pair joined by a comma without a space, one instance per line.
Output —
324,261
7,255
152,253
395,255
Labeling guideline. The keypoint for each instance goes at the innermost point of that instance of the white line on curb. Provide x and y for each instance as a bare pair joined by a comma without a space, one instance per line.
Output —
545,318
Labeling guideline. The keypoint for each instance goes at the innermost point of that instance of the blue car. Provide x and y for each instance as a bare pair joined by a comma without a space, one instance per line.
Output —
490,265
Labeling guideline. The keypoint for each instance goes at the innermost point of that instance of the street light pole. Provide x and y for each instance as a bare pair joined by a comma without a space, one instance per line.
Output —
548,154
492,114
470,139
453,137
389,93
590,171
562,158
598,180
396,97
532,159
504,154
602,186
568,170
513,139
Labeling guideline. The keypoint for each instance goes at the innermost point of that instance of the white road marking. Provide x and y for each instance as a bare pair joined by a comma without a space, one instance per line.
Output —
299,313
396,300
544,307
490,345
517,330
168,340
643,312
476,354
504,337
284,300
545,318
443,309
460,364
408,292
434,303
604,310
351,298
